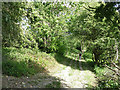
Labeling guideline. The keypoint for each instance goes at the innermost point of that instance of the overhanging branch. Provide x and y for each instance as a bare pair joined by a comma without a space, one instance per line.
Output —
116,65
88,9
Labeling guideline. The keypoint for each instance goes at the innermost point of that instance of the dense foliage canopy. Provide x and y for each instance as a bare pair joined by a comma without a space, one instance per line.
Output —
50,27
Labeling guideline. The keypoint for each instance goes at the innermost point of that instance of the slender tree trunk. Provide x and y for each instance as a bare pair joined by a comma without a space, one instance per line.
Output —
118,54
81,46
44,40
93,57
116,50
96,56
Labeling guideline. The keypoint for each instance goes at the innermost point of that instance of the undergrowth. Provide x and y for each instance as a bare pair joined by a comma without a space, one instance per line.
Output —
106,78
24,62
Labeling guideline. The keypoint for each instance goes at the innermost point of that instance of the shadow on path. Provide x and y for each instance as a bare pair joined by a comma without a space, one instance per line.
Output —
75,64
40,80
15,74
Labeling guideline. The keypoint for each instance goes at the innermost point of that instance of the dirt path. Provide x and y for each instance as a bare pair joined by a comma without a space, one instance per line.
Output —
71,76
75,78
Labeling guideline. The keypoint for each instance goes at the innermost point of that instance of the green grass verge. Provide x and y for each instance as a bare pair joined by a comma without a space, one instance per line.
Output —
24,62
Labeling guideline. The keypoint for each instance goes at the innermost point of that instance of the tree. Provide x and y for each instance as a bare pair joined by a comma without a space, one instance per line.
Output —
47,24
96,33
109,12
11,17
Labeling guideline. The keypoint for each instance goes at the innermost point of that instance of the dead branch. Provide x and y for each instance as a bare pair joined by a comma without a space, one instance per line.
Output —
109,76
116,65
112,70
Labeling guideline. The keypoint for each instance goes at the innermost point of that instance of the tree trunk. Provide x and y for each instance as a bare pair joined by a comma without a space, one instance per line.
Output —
96,56
116,50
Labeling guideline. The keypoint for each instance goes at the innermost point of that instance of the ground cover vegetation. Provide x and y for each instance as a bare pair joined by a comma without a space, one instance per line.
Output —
36,34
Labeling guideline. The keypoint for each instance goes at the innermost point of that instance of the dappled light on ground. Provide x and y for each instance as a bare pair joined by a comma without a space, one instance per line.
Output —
40,80
75,78
63,72
74,74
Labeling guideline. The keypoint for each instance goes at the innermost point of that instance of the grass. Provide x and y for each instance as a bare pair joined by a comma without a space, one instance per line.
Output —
25,62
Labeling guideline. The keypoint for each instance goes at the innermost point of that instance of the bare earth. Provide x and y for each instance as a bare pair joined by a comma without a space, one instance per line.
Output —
61,76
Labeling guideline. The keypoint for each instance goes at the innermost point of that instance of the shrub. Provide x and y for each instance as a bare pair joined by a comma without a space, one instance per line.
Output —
62,49
24,62
106,78
17,69
87,55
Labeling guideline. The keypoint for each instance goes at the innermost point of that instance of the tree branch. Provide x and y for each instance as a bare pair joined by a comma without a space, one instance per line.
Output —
112,70
88,9
116,65
91,7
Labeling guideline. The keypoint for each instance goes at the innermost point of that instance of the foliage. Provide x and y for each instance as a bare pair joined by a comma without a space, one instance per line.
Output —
87,55
11,17
112,17
17,69
24,62
106,78
59,27
35,25
47,25
96,34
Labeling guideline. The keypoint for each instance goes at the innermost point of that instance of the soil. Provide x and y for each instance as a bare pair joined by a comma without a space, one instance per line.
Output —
61,76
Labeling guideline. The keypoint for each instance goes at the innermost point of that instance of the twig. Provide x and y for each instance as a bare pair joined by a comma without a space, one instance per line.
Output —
108,76
87,9
115,65
91,7
112,70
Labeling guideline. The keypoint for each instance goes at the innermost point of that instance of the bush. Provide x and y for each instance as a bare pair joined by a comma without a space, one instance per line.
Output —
62,49
106,78
87,55
24,62
17,69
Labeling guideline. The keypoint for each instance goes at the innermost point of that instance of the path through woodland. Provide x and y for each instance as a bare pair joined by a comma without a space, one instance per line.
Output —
62,76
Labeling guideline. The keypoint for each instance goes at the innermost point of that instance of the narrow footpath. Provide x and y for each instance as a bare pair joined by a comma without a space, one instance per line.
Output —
73,76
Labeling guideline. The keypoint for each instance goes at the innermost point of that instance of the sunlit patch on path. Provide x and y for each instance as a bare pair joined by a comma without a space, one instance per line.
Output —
69,75
73,77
